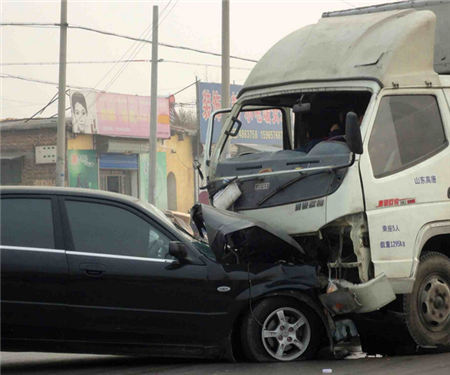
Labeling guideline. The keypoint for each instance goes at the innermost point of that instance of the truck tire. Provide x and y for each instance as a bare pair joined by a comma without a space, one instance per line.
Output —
427,308
280,329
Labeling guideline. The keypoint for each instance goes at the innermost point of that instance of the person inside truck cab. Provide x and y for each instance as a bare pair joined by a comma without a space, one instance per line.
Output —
336,131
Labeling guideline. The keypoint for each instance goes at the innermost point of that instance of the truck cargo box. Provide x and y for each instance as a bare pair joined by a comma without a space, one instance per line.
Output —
441,8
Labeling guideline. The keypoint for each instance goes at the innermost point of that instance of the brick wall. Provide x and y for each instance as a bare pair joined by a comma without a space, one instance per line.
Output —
25,141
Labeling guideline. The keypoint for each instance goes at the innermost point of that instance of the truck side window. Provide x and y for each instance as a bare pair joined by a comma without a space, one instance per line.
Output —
407,130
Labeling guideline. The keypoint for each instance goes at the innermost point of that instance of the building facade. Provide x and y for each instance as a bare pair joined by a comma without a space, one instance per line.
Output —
119,164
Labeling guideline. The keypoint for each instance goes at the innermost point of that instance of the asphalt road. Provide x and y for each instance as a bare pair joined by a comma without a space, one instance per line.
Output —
68,364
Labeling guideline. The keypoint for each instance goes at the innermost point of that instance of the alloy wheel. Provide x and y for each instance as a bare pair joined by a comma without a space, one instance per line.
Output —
286,334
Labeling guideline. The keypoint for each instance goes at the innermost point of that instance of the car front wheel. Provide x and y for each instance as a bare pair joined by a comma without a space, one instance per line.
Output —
279,329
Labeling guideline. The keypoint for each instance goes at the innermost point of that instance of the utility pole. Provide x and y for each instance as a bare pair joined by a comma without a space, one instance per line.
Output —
153,111
225,53
61,129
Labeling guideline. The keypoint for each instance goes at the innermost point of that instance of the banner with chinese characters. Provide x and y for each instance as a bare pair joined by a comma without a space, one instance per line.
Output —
258,127
83,168
117,115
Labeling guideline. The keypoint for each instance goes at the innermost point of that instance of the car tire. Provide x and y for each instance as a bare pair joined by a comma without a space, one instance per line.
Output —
427,308
280,329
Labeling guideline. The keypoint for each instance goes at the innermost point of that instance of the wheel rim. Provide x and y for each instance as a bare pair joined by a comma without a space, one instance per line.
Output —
434,303
286,334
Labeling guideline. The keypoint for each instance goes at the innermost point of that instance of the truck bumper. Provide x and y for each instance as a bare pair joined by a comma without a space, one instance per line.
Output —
359,298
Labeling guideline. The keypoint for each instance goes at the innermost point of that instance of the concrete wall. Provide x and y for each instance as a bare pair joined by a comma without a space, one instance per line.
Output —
179,161
80,142
25,141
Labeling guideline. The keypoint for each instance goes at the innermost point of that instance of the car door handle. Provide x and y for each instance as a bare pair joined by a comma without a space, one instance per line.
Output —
93,269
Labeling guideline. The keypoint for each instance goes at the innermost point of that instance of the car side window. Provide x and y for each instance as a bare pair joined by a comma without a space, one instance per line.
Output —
107,229
27,222
407,130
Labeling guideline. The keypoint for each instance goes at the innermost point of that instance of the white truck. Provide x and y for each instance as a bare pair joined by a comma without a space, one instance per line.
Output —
359,175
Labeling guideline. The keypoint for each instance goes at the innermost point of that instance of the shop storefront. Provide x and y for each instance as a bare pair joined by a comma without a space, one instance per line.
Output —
119,173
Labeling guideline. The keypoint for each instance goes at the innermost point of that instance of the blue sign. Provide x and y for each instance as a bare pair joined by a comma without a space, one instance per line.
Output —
118,161
258,127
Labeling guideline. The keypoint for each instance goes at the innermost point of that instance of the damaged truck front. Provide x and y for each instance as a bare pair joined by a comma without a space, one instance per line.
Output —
358,171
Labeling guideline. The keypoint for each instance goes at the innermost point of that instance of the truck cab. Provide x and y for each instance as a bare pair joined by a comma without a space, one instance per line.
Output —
372,206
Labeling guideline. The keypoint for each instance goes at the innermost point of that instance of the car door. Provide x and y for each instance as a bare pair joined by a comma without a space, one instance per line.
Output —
405,174
34,270
124,286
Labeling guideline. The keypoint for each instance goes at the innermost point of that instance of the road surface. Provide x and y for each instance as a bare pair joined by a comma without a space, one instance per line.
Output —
70,364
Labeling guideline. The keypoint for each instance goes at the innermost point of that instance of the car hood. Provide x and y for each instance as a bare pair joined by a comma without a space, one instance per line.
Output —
238,239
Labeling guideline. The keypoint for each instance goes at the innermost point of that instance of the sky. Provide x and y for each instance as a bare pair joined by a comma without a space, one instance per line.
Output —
254,27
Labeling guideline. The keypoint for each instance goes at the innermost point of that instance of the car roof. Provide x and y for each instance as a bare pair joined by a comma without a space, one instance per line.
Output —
86,193
66,191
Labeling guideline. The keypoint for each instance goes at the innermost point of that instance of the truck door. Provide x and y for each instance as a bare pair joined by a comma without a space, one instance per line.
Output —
405,175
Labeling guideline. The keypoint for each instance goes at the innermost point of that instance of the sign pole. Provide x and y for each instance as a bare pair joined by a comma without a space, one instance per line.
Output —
225,53
61,128
226,63
153,110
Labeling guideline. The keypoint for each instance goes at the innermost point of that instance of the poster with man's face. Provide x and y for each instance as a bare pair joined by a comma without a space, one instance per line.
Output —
84,112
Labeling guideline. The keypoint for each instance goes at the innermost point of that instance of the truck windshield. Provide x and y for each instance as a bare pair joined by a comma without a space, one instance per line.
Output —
299,131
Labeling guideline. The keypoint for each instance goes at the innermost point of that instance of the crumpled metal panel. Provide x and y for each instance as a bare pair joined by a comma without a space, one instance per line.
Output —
234,237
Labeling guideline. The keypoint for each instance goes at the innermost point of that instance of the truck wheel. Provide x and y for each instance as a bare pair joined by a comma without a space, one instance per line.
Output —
427,308
280,329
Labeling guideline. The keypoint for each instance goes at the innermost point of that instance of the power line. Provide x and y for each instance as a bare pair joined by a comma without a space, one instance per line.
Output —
203,64
20,101
30,24
160,44
184,88
52,100
27,79
128,50
134,50
79,27
42,63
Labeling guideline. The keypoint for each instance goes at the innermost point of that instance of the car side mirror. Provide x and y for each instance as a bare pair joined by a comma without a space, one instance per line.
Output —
178,250
353,133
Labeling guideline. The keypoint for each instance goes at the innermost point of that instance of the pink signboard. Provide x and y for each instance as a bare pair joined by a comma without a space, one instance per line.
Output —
120,115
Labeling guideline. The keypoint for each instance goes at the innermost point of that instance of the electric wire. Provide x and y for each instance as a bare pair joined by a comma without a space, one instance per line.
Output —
27,79
138,47
184,88
138,39
127,51
160,44
52,100
161,60
35,80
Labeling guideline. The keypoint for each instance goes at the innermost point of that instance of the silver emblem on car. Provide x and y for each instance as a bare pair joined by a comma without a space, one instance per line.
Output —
223,289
